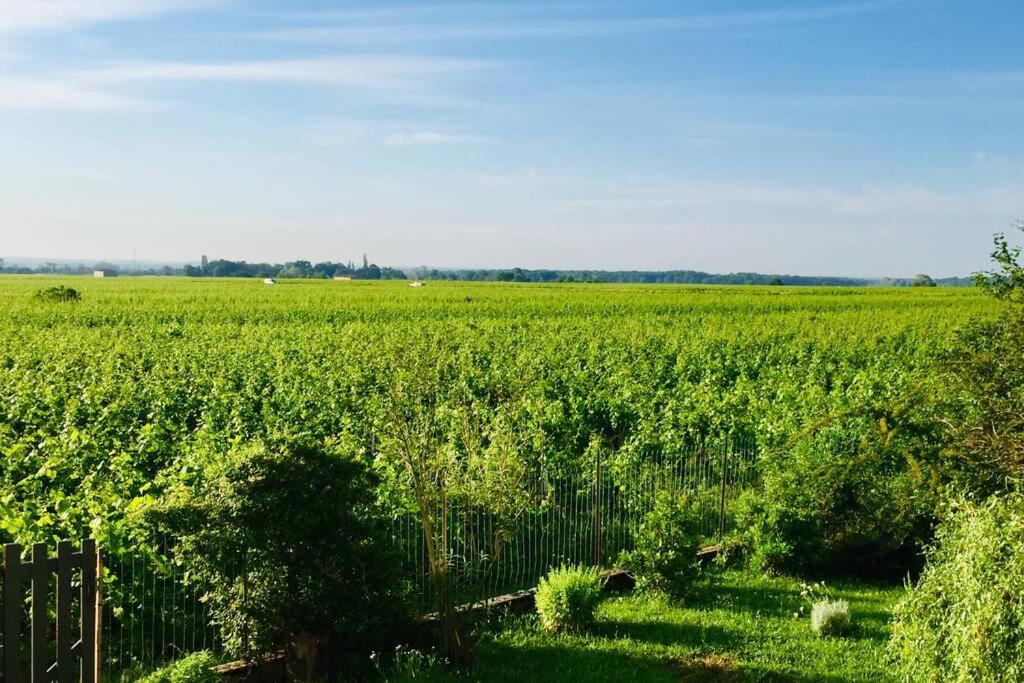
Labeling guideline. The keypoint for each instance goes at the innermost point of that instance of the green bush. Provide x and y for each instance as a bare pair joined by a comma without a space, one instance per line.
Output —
847,498
830,617
964,620
664,557
195,668
286,543
58,294
567,598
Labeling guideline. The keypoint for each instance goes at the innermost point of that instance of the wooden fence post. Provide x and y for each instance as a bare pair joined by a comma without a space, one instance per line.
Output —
40,625
12,612
88,607
64,601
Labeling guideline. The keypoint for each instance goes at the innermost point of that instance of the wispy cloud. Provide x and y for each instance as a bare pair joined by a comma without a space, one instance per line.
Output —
431,137
27,15
369,71
369,27
64,95
344,132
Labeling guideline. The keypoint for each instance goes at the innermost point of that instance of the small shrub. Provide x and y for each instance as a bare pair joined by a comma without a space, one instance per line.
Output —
58,294
567,598
830,617
195,668
964,620
664,557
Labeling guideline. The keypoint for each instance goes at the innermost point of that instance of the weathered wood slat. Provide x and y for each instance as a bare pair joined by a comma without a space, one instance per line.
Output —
40,627
64,613
12,612
89,609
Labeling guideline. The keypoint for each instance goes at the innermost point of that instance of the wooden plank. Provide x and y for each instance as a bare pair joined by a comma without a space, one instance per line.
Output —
65,600
89,592
12,613
40,585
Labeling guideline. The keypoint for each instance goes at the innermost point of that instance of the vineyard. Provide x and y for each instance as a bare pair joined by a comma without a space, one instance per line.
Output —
145,385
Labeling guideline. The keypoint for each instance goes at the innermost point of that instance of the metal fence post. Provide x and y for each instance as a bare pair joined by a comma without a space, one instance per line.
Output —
723,469
597,507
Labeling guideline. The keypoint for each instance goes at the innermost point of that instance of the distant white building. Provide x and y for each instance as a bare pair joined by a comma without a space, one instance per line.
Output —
417,283
104,272
342,278
269,281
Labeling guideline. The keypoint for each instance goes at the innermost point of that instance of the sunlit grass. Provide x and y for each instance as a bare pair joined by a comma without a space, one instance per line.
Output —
740,627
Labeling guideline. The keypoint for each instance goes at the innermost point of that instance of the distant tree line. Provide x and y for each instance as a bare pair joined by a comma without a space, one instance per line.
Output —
292,269
220,268
689,277
371,271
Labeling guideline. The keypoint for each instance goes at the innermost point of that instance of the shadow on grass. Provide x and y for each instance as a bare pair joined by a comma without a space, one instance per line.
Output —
526,663
553,662
669,634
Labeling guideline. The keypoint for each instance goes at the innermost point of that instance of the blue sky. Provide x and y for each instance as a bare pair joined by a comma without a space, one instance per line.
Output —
847,137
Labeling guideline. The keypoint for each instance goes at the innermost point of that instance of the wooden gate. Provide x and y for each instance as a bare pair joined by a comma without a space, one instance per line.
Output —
69,652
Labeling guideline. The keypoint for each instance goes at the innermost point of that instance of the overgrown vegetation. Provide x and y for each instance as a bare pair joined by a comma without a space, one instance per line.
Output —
964,619
664,557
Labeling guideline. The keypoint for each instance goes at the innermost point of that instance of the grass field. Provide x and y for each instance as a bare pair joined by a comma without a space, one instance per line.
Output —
739,628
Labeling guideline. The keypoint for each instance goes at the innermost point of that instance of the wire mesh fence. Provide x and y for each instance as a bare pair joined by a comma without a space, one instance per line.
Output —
151,613
587,512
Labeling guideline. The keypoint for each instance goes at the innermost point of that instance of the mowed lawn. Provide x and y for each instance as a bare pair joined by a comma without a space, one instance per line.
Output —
741,627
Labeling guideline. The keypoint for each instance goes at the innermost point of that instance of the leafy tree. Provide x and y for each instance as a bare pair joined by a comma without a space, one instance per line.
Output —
922,280
449,446
1008,281
986,376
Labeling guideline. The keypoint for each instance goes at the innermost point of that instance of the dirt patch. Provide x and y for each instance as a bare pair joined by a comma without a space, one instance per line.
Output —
706,668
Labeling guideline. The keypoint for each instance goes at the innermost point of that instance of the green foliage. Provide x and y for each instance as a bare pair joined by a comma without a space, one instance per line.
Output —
193,668
58,294
856,495
984,373
830,617
567,598
1008,281
964,619
664,557
286,542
